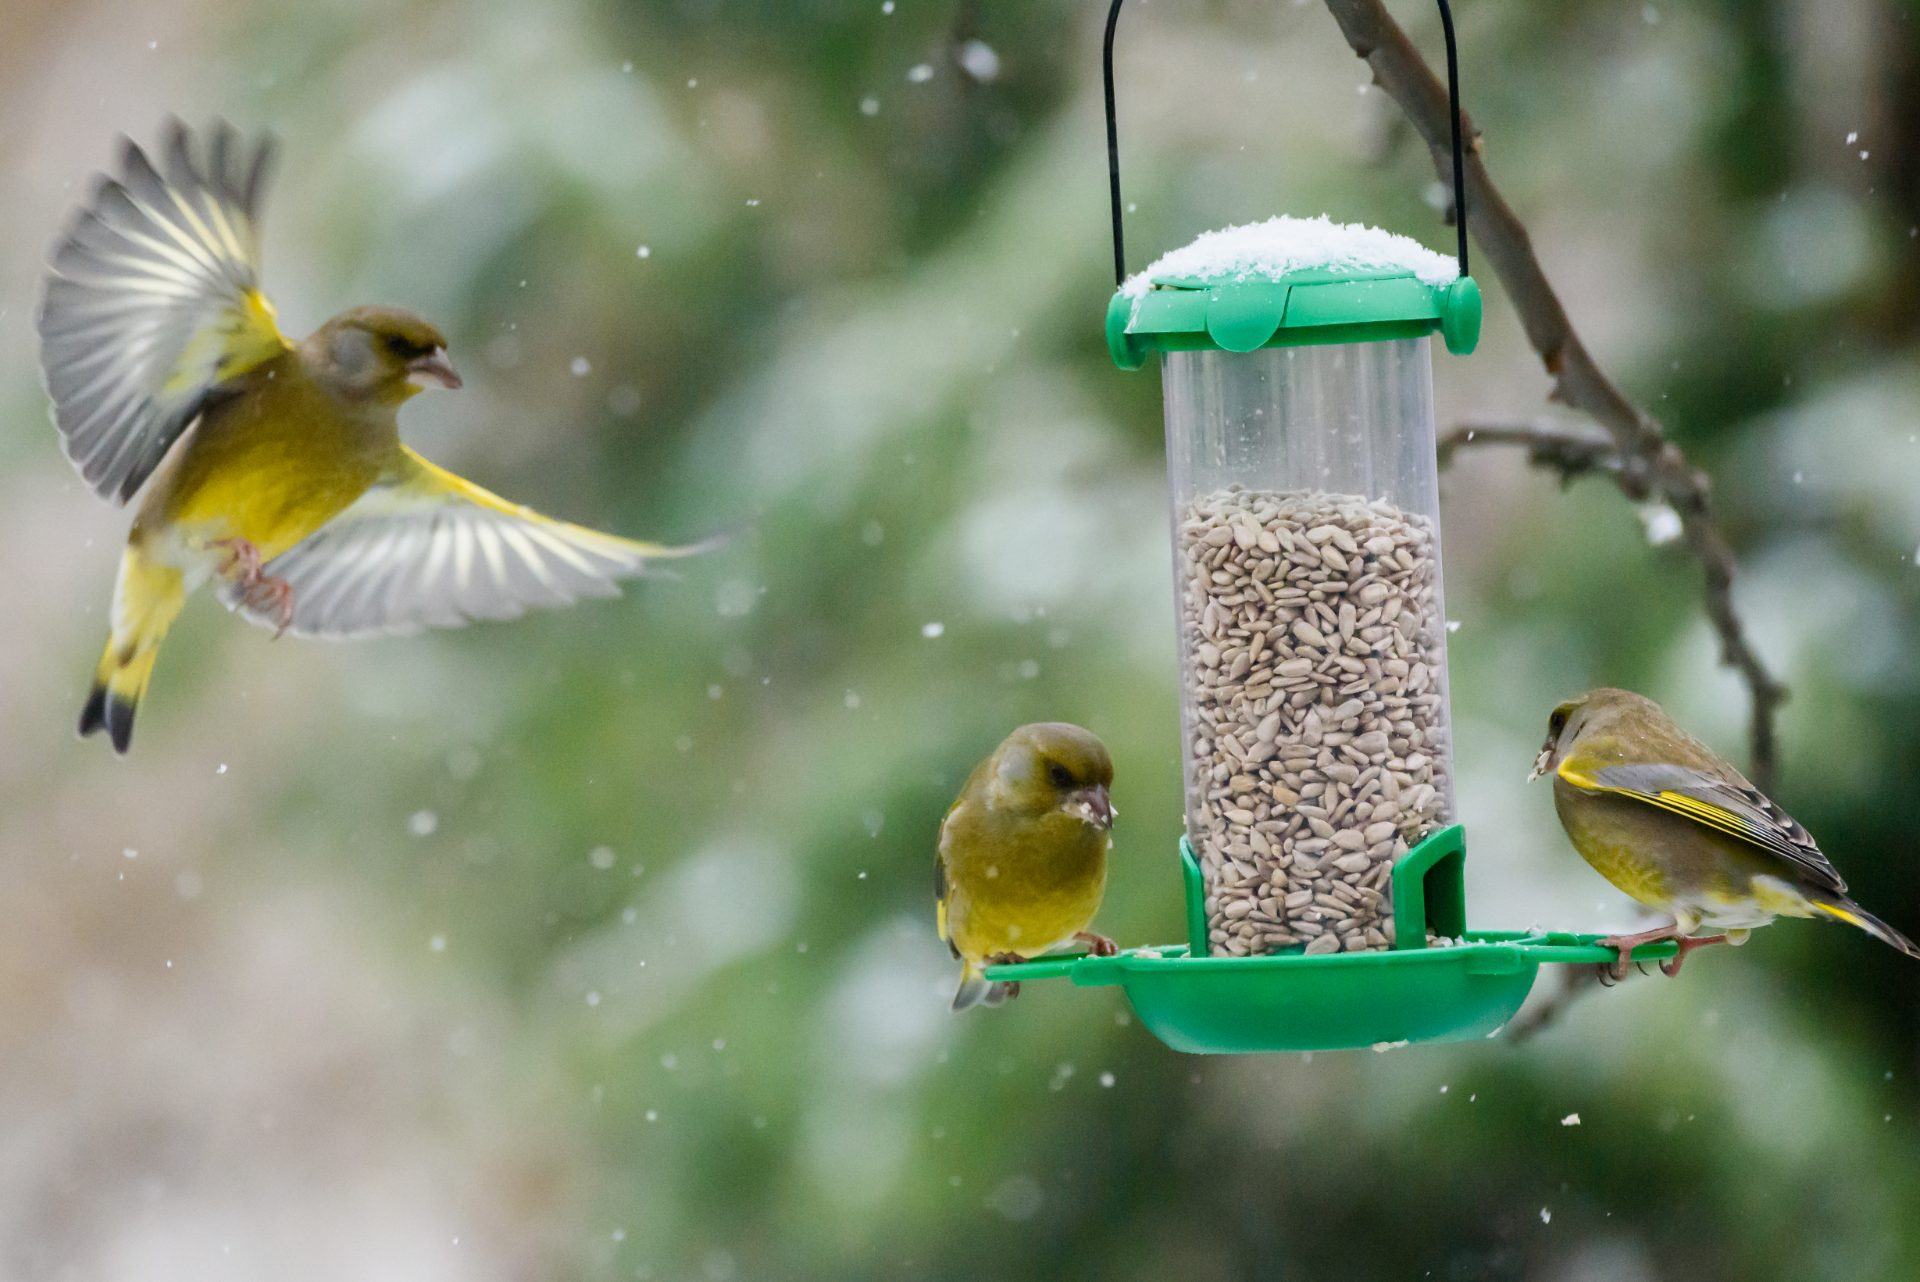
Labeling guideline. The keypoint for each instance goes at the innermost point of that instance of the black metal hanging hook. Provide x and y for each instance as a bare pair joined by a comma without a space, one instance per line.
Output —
1113,141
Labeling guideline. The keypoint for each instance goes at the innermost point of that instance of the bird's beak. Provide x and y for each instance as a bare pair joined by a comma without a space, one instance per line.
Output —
433,370
1092,805
1542,763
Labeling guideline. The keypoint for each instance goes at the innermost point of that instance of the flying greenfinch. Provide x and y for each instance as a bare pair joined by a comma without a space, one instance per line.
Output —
1662,817
1023,855
291,489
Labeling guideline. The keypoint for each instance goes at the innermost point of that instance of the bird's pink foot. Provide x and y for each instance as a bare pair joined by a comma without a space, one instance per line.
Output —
1671,966
1098,945
1623,946
1008,959
259,591
242,561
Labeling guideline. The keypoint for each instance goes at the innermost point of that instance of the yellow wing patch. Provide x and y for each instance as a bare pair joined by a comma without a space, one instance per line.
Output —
429,479
1833,910
226,347
1567,772
1703,812
1678,802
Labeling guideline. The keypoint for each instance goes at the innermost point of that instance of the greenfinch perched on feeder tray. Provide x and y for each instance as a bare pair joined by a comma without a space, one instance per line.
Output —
1667,821
1023,855
291,487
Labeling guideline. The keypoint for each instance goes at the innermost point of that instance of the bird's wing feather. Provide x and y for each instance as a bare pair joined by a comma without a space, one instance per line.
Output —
940,874
940,891
972,788
152,303
425,548
1725,805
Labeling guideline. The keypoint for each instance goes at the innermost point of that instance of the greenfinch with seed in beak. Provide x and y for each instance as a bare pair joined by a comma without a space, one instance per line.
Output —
1667,821
1022,862
270,466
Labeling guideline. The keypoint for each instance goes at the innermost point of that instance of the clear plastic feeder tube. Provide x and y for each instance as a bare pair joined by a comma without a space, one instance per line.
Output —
1312,634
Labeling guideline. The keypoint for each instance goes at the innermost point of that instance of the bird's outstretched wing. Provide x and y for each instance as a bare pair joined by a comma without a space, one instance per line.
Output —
152,302
1740,811
425,548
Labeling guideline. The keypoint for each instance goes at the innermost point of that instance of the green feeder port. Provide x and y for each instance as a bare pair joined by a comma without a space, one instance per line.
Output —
1466,987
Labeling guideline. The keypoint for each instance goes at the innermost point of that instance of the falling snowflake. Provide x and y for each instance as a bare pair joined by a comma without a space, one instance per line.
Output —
978,59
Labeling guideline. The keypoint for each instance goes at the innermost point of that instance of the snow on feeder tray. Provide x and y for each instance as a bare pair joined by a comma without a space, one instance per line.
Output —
1323,869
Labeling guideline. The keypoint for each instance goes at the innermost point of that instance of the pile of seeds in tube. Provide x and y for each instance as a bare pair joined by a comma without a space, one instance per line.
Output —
1315,666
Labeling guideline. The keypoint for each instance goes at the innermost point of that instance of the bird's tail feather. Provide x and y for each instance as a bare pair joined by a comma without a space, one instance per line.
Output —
1854,915
146,599
116,693
976,989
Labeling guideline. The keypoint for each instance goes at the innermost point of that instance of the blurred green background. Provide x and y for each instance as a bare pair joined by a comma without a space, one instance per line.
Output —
599,944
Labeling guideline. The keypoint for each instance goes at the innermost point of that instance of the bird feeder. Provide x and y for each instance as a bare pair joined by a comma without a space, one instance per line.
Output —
1322,865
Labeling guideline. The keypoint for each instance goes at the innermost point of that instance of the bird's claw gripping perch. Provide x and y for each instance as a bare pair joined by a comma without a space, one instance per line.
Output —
259,591
1008,959
1097,945
1671,966
1623,945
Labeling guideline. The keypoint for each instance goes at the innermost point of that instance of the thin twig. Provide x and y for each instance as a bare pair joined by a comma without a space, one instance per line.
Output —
1649,467
1570,451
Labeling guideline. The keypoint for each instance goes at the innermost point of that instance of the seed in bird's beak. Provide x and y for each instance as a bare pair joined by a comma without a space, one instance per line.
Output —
433,370
1541,763
1092,805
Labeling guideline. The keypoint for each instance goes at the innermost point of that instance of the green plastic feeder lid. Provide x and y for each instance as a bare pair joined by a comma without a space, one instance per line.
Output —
1291,282
1412,992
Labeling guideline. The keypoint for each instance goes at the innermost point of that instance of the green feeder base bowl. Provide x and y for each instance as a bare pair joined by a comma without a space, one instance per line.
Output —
1468,986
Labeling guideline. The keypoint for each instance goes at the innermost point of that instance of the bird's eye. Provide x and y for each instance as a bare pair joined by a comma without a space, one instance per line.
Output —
1556,723
403,347
1061,776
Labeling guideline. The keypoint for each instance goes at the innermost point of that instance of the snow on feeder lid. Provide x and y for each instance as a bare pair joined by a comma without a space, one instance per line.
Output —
1292,282
1322,869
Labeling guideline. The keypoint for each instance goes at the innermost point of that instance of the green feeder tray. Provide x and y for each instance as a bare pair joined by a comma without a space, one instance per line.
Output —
1413,992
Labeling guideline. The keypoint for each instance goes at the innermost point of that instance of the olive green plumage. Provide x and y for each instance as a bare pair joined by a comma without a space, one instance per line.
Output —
1022,861
1665,819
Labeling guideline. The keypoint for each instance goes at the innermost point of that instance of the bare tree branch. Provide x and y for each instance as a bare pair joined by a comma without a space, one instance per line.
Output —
1570,451
1646,465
